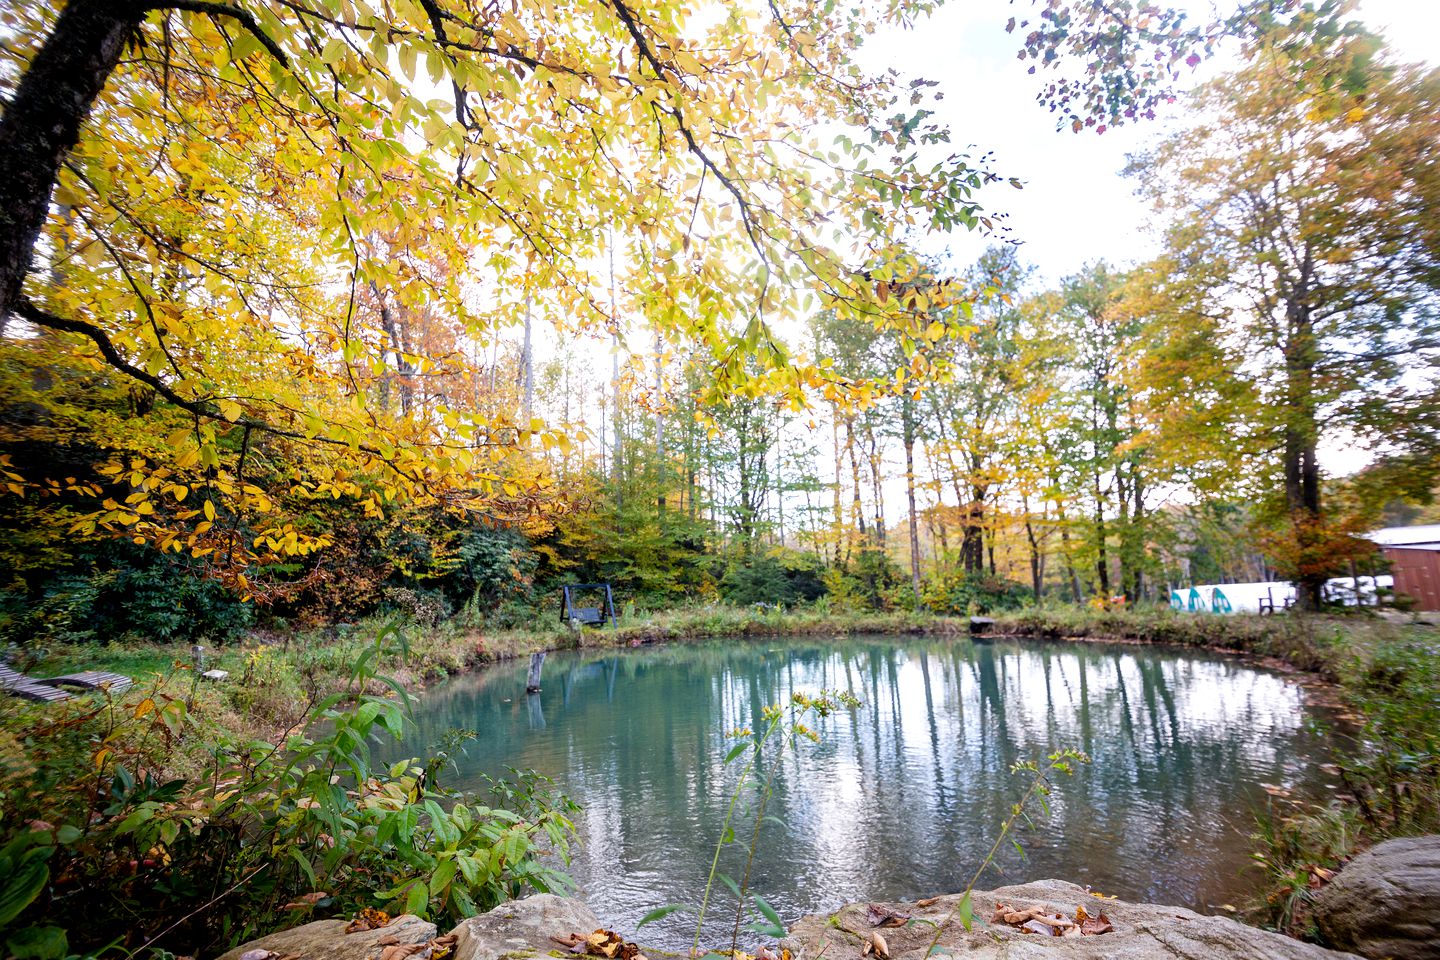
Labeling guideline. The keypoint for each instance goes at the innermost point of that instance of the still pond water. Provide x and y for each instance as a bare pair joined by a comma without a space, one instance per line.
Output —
902,797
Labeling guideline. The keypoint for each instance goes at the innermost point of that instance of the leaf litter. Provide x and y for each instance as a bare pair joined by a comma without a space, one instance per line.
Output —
602,943
1047,923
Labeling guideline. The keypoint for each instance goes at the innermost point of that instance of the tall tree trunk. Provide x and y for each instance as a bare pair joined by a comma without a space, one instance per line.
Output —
1066,551
1137,516
1102,559
1302,467
857,505
839,513
938,511
660,466
878,530
907,415
1035,572
42,121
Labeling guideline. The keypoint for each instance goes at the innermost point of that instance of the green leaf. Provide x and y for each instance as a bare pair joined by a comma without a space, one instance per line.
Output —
734,887
305,867
735,751
20,888
38,943
966,911
441,878
768,911
659,913
417,900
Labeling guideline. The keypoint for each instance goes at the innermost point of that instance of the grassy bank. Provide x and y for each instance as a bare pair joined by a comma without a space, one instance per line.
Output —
275,677
1385,673
1322,645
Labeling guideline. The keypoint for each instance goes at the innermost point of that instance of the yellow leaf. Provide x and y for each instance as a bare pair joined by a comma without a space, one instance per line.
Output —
230,410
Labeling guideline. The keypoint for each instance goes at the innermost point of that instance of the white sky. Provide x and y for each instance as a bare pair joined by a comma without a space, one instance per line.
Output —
1075,206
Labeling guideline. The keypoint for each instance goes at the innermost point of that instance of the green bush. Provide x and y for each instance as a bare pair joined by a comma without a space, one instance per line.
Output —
870,582
493,567
100,852
957,593
784,577
119,591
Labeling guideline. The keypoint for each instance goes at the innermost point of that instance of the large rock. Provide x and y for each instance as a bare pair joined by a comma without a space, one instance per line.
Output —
327,940
1386,902
1142,931
522,927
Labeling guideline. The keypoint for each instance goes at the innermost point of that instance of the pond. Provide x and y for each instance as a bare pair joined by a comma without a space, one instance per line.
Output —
903,796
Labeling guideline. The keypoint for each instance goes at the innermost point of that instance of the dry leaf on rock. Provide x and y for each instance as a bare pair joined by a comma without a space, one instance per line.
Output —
368,919
1046,923
601,943
259,955
436,948
885,917
927,902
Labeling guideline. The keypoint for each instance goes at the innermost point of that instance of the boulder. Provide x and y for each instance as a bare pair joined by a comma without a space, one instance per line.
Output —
1386,902
522,927
1142,931
327,940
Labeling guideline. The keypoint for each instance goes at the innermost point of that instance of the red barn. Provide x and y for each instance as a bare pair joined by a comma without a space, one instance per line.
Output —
1414,555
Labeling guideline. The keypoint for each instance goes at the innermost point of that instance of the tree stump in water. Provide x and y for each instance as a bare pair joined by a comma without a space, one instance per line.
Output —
532,680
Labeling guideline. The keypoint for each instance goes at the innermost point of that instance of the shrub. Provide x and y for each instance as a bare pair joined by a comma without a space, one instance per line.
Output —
126,591
778,577
98,850
958,593
493,567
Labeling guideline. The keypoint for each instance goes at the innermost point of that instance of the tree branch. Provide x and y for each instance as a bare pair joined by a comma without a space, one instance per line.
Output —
244,17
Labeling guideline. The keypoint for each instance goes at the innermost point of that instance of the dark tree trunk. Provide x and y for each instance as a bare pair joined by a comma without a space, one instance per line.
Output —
1102,560
42,124
1302,466
908,423
1036,573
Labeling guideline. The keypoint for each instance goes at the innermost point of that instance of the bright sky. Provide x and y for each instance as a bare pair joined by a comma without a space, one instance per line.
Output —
1075,206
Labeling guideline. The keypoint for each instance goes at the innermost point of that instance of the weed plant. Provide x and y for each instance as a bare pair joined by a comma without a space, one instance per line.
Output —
102,854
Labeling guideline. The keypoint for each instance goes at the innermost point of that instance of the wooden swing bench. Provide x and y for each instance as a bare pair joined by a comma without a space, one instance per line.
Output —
586,616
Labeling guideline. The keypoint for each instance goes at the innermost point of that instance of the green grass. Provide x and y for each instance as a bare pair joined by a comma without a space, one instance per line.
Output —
1389,674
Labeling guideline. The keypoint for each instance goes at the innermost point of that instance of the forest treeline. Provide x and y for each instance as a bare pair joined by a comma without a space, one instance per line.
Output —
1102,436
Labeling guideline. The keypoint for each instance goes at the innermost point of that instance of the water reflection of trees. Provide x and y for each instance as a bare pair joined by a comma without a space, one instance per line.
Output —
903,796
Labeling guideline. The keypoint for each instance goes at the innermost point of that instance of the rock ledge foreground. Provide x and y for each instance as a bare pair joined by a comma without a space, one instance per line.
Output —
1142,931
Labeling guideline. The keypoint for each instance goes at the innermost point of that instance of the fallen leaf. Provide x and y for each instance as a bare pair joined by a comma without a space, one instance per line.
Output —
368,919
440,947
388,940
1095,926
399,951
259,955
885,917
927,902
881,948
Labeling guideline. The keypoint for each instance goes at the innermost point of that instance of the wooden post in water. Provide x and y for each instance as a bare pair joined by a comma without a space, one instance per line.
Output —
532,680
